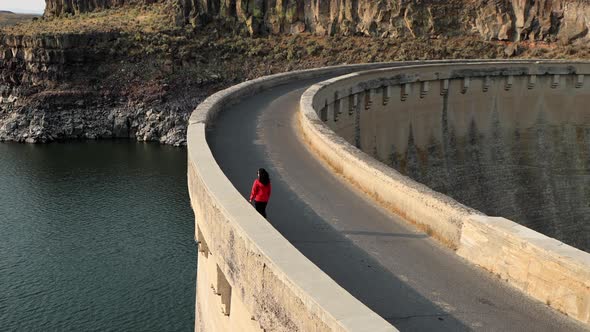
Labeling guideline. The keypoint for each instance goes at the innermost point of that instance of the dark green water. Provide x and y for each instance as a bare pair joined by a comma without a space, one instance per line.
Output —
95,236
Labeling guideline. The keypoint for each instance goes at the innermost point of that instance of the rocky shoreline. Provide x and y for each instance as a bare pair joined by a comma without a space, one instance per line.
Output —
166,124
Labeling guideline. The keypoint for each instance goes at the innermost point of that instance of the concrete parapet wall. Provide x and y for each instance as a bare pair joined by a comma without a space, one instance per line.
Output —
543,268
249,277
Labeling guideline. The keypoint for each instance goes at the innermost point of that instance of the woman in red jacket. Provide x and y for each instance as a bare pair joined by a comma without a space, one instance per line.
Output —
261,192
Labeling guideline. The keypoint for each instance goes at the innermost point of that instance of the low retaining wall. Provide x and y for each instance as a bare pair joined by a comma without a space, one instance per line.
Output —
541,267
249,277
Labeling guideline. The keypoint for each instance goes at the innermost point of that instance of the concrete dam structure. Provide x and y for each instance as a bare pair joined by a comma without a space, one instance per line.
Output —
507,141
447,146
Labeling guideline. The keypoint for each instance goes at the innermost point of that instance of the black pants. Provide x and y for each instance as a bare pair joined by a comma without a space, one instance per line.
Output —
261,207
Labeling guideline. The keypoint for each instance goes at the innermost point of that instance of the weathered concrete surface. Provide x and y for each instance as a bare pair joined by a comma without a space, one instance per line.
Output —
399,273
553,273
254,270
256,273
540,266
519,152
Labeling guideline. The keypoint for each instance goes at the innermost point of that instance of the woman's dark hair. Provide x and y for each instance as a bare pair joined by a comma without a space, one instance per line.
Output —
263,176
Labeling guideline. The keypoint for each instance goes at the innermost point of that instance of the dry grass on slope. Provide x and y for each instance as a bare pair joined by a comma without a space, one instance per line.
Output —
10,19
127,19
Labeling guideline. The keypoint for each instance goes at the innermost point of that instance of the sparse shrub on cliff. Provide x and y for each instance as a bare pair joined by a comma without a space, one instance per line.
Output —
539,52
255,51
291,54
313,48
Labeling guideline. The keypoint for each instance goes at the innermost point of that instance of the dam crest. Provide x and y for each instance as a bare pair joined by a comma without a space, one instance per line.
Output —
442,144
507,141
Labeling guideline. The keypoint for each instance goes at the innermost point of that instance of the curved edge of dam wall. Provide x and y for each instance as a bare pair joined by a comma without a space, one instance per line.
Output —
250,278
541,267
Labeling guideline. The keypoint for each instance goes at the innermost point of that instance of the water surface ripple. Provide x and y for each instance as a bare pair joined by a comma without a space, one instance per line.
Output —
95,236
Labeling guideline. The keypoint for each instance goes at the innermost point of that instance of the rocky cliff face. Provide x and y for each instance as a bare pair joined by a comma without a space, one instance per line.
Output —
51,89
42,123
511,20
29,64
62,7
507,20
547,20
377,18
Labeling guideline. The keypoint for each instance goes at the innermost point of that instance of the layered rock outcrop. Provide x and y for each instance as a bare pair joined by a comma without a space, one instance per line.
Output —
46,123
32,63
50,90
510,20
63,7
378,18
547,20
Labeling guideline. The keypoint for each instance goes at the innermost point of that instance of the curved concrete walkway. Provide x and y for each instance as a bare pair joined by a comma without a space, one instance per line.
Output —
395,270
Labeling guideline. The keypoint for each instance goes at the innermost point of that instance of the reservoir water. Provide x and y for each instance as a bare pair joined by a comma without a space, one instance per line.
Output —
95,236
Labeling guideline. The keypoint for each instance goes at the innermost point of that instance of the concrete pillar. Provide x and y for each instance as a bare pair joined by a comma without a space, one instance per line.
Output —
324,112
405,91
386,94
487,81
223,289
465,84
368,98
202,245
424,89
532,82
579,81
357,121
444,87
337,109
330,113
509,82
352,102
555,81
344,107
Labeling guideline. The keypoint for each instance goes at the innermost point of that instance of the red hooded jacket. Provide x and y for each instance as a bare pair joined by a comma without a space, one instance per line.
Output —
260,192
